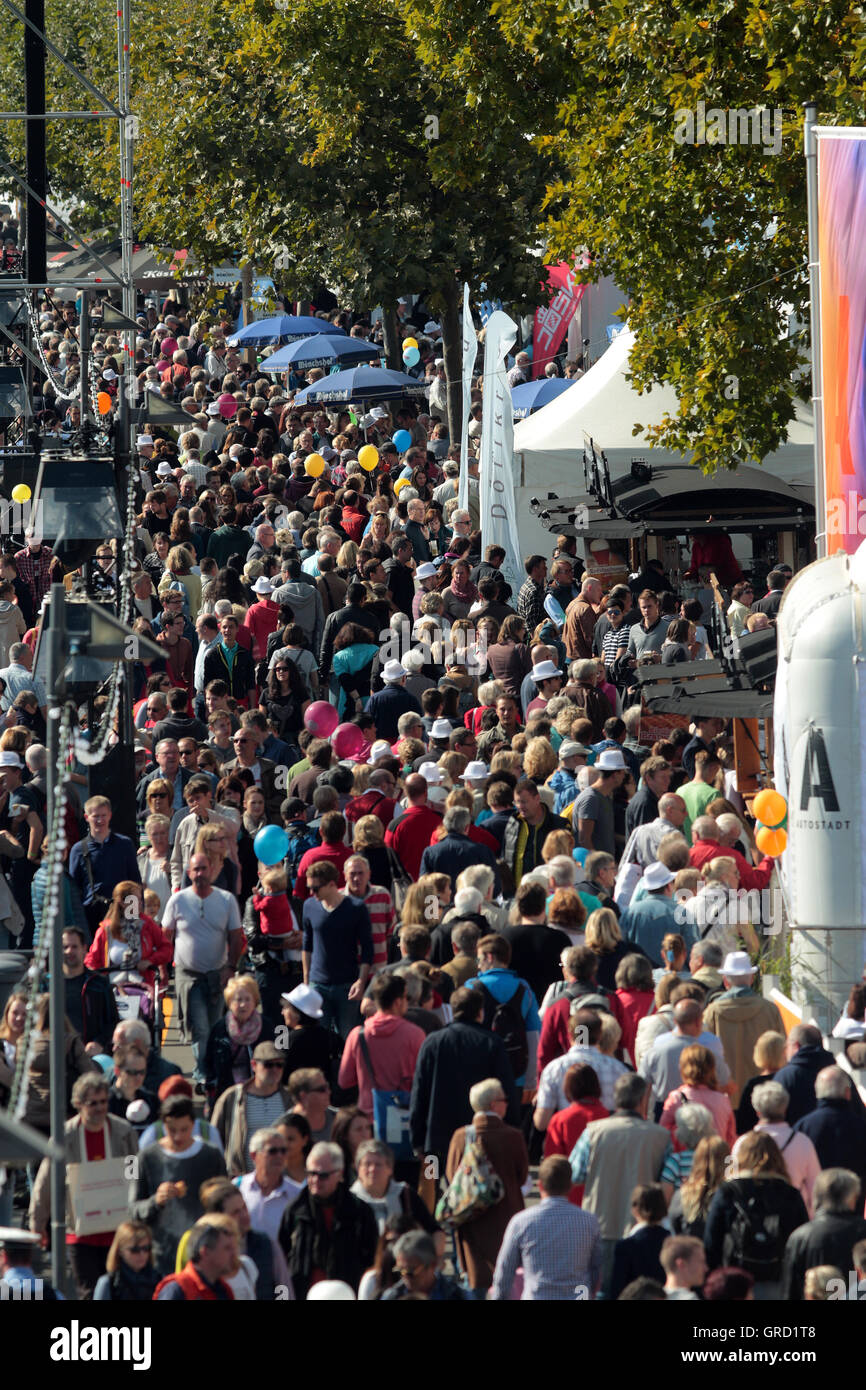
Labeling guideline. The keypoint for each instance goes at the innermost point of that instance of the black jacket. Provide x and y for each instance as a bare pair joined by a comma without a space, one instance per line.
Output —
535,954
346,1252
829,1239
838,1131
778,1198
99,1010
243,672
636,1257
798,1078
449,1063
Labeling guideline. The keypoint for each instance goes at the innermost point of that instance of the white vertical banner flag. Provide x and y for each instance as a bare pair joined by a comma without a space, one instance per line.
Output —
497,503
470,350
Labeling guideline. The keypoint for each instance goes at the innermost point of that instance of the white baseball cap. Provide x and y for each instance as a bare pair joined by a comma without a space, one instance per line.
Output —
10,759
431,772
659,876
393,670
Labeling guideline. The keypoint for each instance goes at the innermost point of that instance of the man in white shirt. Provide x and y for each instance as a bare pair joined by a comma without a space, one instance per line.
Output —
204,924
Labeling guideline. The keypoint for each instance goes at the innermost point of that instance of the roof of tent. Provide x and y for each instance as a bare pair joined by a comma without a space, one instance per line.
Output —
548,446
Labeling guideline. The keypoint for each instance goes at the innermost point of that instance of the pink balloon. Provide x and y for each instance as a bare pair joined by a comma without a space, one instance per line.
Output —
321,719
228,405
348,741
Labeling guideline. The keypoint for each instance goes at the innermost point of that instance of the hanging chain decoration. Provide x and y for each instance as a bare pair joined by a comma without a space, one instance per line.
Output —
53,857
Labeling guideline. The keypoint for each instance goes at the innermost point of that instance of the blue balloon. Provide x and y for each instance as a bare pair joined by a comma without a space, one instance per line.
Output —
411,356
271,844
403,440
579,854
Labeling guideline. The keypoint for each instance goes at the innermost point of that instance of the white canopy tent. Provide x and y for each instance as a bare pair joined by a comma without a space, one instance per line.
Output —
548,446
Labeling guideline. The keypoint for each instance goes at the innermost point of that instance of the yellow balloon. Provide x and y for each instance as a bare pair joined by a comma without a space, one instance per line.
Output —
410,342
368,457
103,403
401,483
21,493
314,465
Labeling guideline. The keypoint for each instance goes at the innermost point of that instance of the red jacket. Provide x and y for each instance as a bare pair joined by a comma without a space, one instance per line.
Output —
195,1290
702,851
353,524
629,1007
372,803
566,1127
155,949
261,620
554,1041
411,835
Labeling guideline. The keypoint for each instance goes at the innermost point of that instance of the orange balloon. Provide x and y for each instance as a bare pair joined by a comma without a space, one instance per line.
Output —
771,842
103,403
769,807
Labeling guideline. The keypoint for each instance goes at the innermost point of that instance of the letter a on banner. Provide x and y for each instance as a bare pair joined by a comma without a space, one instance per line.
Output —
498,508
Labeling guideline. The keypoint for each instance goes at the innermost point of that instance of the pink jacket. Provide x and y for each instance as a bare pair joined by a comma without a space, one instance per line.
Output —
393,1044
261,620
716,1102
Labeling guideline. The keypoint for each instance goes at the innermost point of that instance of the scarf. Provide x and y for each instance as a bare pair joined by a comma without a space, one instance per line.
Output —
385,1208
468,594
242,1036
130,931
253,827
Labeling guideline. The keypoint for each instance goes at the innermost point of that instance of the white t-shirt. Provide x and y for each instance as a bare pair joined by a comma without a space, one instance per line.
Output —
202,927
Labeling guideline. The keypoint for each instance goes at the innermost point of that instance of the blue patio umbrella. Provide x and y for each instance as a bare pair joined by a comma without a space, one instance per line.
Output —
320,350
283,328
362,385
533,395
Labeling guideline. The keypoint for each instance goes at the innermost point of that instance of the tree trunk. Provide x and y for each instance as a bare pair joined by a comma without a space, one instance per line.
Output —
249,354
452,351
393,350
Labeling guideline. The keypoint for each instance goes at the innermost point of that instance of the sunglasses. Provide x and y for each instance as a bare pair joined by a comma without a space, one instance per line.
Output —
156,796
272,1066
139,1249
275,1149
321,1174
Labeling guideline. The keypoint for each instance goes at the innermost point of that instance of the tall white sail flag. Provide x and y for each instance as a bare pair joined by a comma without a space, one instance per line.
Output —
470,350
497,503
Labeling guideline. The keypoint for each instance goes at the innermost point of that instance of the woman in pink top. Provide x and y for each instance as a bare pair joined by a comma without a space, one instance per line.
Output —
698,1070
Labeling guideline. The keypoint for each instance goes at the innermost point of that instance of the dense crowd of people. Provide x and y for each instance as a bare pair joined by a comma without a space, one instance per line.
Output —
457,941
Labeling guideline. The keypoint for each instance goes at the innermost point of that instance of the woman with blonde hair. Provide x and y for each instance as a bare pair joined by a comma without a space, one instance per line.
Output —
178,564
691,1201
368,839
758,1183
700,1086
605,938
153,860
130,1276
540,762
769,1057
228,1058
426,901
559,844
347,559
212,840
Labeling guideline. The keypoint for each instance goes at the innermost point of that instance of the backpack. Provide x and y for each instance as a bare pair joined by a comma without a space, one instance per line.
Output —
505,1020
475,1187
753,1241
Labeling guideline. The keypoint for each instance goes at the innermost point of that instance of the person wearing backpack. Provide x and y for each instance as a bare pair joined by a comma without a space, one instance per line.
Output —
510,1010
502,1150
753,1214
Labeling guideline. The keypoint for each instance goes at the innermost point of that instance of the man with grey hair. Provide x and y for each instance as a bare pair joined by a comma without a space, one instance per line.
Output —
445,491
704,966
417,1263
614,1156
643,844
770,1103
837,1125
212,1253
327,1232
829,1238
455,851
